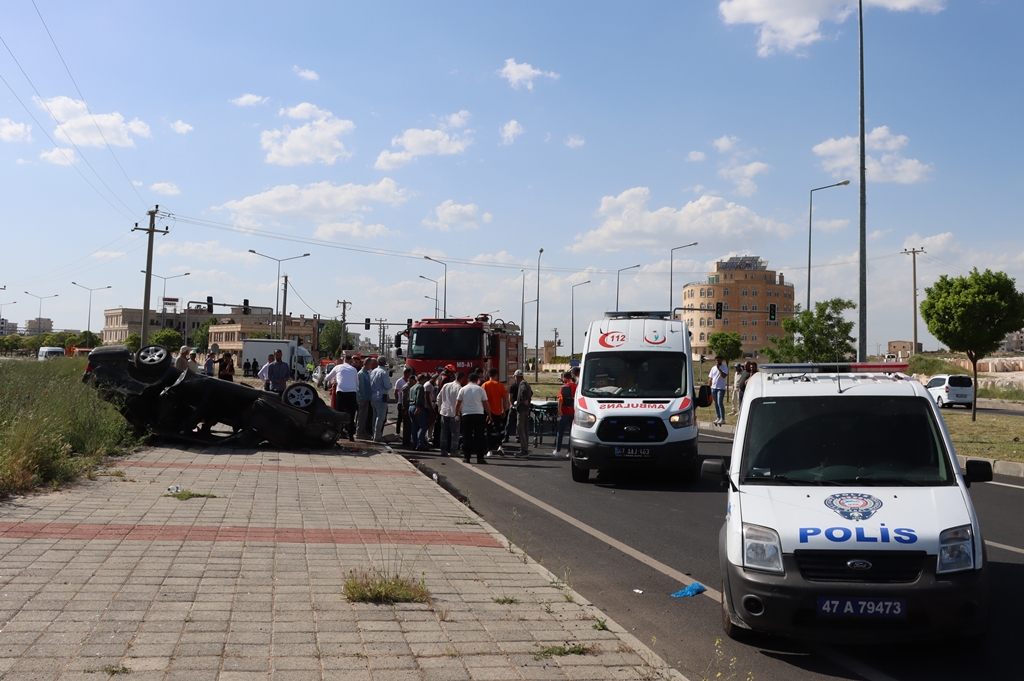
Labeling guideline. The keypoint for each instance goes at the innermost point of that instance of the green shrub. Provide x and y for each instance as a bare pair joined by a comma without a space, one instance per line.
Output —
928,365
53,427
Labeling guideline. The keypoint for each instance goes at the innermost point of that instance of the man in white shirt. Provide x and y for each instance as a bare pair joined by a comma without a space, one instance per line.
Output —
380,388
718,379
448,399
473,413
399,389
344,380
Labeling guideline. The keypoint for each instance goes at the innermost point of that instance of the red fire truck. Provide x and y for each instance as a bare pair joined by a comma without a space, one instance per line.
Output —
476,344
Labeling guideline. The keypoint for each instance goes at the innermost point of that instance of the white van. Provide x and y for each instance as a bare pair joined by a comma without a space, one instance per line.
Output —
46,353
635,400
294,355
848,516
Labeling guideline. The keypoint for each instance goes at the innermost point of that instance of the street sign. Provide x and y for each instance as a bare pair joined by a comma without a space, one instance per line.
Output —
171,302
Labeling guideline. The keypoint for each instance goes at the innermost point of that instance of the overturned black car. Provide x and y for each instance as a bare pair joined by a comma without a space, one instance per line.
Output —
185,406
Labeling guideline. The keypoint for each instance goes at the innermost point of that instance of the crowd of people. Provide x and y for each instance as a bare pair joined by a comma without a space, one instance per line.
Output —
718,379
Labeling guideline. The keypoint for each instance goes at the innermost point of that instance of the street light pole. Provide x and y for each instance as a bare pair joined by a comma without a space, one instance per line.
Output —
631,267
572,320
445,309
434,298
536,338
671,262
88,321
862,326
435,292
810,218
163,305
277,287
39,318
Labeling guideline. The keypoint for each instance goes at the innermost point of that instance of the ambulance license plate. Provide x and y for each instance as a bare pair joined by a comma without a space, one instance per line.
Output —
862,607
633,452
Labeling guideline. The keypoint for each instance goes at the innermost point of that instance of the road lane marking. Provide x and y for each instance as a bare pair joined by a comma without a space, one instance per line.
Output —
720,437
1004,484
834,656
1004,547
598,534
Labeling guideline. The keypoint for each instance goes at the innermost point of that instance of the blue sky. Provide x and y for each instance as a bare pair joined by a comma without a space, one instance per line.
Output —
604,133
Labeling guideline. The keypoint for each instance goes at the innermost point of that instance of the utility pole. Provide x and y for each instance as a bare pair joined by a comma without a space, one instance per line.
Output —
382,330
862,312
284,306
912,252
344,305
149,271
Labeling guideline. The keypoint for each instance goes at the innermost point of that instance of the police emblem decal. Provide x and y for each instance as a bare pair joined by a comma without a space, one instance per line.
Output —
853,506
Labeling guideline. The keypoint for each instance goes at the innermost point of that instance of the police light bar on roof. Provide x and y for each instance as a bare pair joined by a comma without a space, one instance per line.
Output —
835,368
638,314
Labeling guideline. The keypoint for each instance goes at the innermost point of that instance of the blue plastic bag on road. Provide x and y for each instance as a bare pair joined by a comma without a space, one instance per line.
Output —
692,590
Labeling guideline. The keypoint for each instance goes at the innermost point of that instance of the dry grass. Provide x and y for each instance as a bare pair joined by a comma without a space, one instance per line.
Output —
991,436
379,586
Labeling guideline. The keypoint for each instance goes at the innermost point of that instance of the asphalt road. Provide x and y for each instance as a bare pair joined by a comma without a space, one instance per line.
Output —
678,525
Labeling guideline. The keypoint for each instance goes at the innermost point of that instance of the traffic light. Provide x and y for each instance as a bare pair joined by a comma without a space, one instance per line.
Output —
408,323
702,359
245,307
771,311
366,323
718,310
209,304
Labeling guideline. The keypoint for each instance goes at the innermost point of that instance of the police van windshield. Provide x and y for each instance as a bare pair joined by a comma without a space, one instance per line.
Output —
844,440
635,374
445,343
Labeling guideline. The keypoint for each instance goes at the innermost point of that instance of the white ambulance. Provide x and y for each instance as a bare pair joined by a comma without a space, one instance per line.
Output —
848,516
635,399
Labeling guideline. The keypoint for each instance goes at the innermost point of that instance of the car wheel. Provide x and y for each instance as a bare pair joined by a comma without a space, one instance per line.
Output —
299,395
578,474
939,403
153,359
733,631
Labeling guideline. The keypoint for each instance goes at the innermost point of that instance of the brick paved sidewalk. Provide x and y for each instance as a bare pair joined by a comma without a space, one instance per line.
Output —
113,575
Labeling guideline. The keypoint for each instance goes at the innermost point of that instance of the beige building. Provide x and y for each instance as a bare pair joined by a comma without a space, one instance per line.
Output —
746,288
36,326
903,348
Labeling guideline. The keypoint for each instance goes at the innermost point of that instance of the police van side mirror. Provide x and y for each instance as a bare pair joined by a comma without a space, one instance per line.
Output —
714,469
978,471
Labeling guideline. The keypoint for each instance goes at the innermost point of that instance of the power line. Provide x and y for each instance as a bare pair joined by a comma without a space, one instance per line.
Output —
59,125
84,101
291,285
62,268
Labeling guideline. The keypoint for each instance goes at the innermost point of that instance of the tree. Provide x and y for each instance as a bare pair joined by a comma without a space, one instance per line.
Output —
728,344
133,341
201,336
330,338
819,336
972,314
169,338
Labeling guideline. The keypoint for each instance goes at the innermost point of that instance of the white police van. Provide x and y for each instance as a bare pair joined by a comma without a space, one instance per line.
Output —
848,516
635,399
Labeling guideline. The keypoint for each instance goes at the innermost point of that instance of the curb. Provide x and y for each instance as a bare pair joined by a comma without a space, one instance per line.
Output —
656,663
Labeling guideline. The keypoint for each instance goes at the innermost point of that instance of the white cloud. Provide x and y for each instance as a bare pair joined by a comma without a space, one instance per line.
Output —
788,25
181,127
878,234
166,188
249,100
417,142
832,226
60,157
319,202
523,74
99,255
945,243
78,127
743,176
725,143
696,156
306,74
451,215
137,183
207,251
315,141
575,141
15,132
510,131
353,228
456,120
627,223
841,157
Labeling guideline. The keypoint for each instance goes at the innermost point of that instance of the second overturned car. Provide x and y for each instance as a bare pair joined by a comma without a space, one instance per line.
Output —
185,406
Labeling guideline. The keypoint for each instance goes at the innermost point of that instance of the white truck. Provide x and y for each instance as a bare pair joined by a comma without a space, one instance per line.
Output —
295,355
635,405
